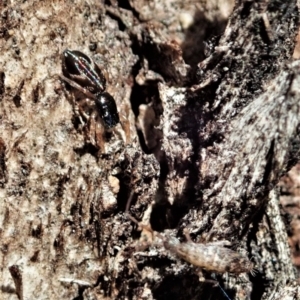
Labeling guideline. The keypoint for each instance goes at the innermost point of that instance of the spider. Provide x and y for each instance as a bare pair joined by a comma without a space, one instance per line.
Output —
84,75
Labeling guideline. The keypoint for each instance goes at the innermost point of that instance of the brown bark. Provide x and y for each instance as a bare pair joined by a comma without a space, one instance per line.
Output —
203,143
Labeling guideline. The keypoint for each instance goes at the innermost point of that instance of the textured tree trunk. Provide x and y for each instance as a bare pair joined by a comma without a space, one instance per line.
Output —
210,121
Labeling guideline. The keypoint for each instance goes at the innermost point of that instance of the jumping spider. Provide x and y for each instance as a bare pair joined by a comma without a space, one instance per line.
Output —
83,74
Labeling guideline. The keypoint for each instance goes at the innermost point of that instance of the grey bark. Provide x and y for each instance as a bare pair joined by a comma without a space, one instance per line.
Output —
203,142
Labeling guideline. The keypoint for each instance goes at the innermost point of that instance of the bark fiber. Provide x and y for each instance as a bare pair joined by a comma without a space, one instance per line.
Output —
208,97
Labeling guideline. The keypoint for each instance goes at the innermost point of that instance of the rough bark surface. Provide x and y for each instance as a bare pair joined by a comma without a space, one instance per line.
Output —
206,133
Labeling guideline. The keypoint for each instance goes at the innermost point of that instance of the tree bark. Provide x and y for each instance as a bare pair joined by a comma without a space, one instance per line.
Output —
206,133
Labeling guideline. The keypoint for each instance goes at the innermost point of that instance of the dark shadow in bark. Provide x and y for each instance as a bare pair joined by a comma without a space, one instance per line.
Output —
200,39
